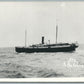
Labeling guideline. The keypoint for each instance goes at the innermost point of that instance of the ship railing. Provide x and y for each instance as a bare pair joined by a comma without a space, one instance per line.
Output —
60,46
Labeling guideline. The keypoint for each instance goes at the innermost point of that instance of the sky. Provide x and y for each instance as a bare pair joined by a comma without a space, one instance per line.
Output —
40,19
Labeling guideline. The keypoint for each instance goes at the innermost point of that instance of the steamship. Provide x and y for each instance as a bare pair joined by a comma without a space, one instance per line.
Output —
42,47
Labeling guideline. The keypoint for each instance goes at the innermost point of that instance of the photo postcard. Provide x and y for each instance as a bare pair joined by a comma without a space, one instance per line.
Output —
42,41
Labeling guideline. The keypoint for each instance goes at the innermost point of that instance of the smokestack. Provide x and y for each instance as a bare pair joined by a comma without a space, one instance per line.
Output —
42,39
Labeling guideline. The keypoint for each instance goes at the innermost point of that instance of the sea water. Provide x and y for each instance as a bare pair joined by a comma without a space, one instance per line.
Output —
41,65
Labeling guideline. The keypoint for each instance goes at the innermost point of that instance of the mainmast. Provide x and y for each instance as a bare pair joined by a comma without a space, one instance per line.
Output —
56,32
25,38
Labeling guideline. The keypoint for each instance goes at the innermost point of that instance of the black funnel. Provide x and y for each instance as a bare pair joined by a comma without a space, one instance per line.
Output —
42,39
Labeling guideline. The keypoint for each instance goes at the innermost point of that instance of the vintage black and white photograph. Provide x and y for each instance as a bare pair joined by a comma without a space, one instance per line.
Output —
41,39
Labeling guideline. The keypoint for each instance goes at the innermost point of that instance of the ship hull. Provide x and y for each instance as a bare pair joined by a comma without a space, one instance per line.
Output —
31,50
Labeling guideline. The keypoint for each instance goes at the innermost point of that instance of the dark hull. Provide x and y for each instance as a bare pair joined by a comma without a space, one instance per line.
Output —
58,49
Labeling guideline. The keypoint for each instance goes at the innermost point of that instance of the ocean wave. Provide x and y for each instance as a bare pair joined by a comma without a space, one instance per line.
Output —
11,71
16,75
49,73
